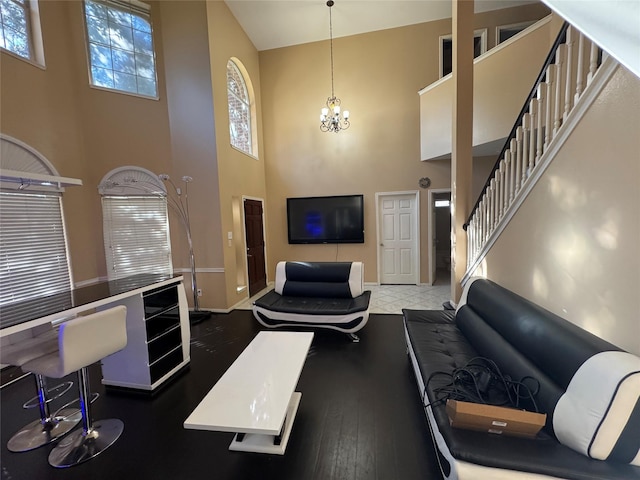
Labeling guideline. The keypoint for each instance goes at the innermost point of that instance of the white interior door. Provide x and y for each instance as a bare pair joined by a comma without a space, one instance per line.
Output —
398,236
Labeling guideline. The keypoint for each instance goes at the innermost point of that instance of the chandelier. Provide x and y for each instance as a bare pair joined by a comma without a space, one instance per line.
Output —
330,119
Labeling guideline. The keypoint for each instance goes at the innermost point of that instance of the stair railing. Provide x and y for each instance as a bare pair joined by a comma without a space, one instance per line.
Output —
568,70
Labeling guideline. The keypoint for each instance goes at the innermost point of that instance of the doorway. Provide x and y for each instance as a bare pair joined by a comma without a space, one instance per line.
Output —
398,237
439,236
254,237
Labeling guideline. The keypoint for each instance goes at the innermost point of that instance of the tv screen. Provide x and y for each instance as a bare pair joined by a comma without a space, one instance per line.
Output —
337,219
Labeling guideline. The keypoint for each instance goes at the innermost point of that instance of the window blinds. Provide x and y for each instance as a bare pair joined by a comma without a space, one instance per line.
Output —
136,236
33,254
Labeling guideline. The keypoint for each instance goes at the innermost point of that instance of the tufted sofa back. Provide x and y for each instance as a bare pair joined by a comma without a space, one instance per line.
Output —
320,279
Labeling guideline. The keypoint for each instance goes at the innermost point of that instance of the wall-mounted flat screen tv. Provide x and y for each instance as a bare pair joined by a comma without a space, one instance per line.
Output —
336,219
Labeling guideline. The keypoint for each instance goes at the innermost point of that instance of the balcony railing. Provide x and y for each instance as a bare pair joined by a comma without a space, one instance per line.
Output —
567,72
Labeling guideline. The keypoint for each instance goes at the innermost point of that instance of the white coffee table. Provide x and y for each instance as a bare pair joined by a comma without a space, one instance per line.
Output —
255,397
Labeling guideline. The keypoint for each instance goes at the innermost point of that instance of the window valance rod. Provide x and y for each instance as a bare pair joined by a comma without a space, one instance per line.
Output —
37,179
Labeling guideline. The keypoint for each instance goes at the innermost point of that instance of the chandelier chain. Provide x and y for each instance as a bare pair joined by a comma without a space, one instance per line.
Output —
332,119
331,45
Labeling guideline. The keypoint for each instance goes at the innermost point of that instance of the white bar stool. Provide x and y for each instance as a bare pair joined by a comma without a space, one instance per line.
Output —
82,342
49,427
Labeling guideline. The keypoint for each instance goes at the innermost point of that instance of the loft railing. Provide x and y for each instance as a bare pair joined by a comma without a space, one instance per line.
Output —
567,72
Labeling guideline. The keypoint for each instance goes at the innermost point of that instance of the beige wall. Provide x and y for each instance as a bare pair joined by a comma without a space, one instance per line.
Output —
193,143
574,245
482,167
83,132
498,94
86,132
240,175
377,77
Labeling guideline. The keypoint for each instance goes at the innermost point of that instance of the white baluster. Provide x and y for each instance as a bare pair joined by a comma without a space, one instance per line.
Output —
491,205
469,246
541,112
548,131
497,198
477,230
502,190
526,132
512,175
593,62
568,87
558,89
533,108
515,160
470,242
487,225
580,68
480,229
508,198
519,155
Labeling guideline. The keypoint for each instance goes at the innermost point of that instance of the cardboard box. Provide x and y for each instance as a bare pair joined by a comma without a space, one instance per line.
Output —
492,419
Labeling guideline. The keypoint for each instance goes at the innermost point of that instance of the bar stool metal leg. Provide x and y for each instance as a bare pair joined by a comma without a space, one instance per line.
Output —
47,428
94,438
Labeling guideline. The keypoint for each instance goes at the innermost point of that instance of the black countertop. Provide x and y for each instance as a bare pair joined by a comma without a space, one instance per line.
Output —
33,308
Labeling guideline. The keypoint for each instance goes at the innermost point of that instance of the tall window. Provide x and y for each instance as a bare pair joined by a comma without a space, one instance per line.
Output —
136,235
34,260
135,223
33,252
14,27
121,52
240,110
20,29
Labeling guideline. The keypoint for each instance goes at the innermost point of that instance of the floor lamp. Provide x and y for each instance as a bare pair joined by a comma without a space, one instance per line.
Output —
180,205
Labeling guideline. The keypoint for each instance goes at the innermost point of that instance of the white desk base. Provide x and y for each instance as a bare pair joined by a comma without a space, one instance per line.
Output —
260,443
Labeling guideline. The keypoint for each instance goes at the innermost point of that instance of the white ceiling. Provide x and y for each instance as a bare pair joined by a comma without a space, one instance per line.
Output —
273,24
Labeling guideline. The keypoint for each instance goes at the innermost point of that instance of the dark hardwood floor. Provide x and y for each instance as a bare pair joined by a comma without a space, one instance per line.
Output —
359,418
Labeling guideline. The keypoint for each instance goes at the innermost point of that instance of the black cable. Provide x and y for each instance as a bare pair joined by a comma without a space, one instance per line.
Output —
481,381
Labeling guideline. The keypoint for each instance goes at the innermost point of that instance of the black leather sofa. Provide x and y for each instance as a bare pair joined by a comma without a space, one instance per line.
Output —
589,389
318,295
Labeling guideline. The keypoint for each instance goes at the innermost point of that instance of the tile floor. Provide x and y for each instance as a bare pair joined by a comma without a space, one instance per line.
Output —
393,298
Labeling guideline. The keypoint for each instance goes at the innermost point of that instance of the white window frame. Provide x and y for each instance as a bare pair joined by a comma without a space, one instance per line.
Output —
108,49
234,65
32,31
480,33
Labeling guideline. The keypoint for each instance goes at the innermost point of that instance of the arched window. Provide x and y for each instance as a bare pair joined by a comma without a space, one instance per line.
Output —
34,260
135,223
241,108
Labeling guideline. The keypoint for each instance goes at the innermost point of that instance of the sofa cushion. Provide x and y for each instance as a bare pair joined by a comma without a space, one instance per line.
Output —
429,316
313,305
599,414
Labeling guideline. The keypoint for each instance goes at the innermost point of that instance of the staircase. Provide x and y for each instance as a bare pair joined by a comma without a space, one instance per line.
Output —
572,76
